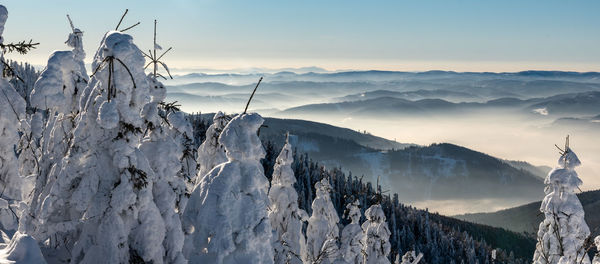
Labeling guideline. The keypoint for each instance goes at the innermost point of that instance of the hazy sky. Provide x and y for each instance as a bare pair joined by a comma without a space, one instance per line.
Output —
395,35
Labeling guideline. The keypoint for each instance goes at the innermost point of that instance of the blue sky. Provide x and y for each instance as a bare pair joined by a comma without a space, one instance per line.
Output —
394,35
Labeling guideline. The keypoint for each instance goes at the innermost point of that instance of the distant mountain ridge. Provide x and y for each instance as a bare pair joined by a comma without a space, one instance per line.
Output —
585,103
526,218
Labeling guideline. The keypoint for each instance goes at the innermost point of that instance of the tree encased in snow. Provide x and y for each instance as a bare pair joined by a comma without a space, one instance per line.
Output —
182,133
55,100
376,245
286,218
226,216
211,153
596,259
164,155
352,235
562,234
409,258
12,113
101,205
322,232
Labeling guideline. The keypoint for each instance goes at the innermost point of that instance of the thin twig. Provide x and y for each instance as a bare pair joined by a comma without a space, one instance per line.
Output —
128,71
123,16
71,23
11,71
252,95
130,27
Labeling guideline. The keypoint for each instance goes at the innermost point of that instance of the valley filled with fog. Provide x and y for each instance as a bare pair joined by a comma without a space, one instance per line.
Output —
510,116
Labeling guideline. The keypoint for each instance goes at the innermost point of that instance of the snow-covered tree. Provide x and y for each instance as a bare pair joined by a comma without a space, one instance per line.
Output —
376,245
55,100
12,113
596,259
226,216
322,232
562,233
409,258
211,153
286,218
101,205
182,133
164,155
352,235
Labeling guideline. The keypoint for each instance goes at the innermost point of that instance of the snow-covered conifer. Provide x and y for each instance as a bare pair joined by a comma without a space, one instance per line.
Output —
286,218
55,100
410,258
562,233
376,244
12,113
596,259
226,216
211,153
182,133
322,232
101,205
352,235
164,155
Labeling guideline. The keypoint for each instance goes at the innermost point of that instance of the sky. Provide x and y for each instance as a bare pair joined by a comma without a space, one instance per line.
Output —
336,35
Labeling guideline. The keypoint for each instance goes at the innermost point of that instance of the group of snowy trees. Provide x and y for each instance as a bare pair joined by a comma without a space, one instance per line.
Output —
233,216
101,169
93,168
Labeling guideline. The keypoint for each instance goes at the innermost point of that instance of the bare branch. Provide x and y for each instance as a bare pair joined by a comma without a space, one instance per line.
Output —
121,20
252,95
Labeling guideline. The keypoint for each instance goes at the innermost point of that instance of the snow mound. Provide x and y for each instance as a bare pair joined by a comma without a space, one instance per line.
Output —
22,249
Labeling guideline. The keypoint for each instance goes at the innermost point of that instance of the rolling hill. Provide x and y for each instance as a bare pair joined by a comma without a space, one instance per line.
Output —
526,218
417,173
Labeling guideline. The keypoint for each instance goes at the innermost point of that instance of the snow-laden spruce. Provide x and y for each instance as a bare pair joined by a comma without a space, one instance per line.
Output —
226,216
376,244
352,235
322,232
182,133
12,109
55,100
12,113
101,205
164,155
286,218
211,153
562,233
596,259
409,258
